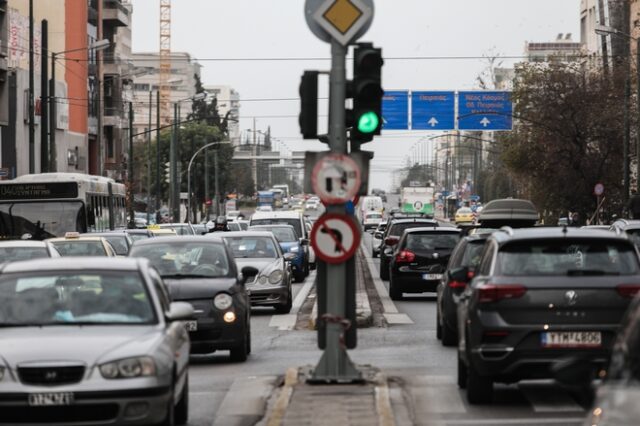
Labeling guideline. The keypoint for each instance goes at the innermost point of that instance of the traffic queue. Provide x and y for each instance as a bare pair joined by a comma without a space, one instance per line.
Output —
521,301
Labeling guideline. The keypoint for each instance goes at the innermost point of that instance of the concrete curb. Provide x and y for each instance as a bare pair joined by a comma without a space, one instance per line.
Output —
383,402
246,401
282,403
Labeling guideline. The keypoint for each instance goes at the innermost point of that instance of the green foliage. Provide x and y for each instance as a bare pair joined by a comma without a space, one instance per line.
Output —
419,172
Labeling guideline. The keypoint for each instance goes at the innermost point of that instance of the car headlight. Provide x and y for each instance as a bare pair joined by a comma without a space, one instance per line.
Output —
129,368
262,279
275,277
222,301
294,249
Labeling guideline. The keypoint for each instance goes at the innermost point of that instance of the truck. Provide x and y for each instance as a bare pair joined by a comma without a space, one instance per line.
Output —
417,199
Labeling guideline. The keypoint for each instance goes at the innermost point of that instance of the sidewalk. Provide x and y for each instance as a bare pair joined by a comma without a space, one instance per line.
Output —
299,403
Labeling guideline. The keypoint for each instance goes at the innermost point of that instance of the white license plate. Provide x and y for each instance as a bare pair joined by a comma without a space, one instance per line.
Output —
571,339
191,325
431,276
48,399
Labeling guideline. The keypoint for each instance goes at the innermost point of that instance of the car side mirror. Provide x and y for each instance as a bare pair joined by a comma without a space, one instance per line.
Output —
388,251
179,311
391,241
304,241
247,272
377,235
289,257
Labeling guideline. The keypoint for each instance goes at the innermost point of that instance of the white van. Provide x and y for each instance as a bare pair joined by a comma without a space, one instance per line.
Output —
368,204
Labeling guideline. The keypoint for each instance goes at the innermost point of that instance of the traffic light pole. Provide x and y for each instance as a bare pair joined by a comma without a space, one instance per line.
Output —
335,364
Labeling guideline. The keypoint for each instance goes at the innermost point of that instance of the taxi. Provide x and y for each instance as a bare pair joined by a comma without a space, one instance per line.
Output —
464,215
74,244
158,231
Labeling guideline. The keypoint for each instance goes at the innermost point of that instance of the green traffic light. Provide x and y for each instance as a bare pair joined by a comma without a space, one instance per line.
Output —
368,122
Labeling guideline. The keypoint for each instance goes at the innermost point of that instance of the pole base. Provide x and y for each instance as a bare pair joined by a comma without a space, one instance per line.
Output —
336,369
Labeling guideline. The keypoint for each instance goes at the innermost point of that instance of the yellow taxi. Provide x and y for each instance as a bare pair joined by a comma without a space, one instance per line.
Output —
464,215
158,231
74,244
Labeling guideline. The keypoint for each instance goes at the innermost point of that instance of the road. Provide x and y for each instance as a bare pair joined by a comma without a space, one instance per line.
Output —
408,352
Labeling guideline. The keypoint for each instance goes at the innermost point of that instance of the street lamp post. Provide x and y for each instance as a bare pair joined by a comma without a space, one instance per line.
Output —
189,209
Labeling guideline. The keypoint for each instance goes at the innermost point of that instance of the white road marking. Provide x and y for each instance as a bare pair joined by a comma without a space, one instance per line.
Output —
288,321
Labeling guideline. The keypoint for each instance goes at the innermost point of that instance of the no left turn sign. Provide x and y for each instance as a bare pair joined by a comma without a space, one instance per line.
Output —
335,237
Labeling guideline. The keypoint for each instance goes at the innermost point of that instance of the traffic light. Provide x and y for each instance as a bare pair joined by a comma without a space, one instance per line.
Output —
167,172
365,119
308,118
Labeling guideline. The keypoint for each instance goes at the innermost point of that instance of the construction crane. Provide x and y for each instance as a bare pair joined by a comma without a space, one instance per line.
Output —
165,61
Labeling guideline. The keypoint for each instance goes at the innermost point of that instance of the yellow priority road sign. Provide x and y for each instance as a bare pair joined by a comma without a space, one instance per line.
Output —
343,19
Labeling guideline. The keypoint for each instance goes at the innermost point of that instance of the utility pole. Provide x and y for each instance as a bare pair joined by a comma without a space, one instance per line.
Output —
132,221
149,158
626,137
215,181
254,161
173,158
44,99
638,115
207,197
32,115
158,157
53,113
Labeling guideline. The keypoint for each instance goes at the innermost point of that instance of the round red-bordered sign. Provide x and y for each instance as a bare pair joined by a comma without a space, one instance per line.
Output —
335,237
336,179
598,189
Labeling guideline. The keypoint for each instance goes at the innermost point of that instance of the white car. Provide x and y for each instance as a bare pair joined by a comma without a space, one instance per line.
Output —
234,215
371,220
311,205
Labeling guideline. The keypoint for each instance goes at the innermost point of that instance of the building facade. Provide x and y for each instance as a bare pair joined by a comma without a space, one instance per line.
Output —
229,107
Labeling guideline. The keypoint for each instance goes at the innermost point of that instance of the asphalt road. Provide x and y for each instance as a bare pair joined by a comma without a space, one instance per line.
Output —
409,352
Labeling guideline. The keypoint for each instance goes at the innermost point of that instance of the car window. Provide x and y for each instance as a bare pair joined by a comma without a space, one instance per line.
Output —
12,254
398,228
253,247
432,241
119,244
486,258
234,226
161,289
204,259
47,298
472,253
296,223
634,235
568,257
283,235
79,248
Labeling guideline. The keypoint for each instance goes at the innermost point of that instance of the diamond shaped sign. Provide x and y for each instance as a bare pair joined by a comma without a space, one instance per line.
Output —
342,19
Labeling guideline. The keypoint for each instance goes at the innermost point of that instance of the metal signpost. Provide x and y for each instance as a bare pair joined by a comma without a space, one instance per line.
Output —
335,235
433,110
485,110
395,110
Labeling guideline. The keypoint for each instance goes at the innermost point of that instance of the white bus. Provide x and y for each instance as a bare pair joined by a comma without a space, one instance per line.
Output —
49,204
285,192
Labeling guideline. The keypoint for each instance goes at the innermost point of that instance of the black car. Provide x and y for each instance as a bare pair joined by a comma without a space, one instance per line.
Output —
420,259
466,254
391,236
539,295
202,271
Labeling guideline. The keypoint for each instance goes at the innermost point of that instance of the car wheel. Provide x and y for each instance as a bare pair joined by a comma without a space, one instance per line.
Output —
438,325
298,276
449,337
241,351
182,409
374,254
306,269
462,373
479,388
394,291
285,308
384,269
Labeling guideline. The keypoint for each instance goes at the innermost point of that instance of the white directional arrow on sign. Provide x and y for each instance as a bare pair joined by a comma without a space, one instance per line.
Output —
485,121
433,122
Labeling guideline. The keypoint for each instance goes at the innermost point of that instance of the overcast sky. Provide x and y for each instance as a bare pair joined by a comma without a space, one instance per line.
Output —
215,31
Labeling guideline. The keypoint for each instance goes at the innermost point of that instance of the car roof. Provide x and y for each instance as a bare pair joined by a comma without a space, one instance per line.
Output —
22,243
248,234
438,229
76,264
275,225
81,237
507,234
627,224
509,209
414,220
277,215
178,239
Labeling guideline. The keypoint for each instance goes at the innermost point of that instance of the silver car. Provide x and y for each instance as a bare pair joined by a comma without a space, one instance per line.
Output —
15,250
92,340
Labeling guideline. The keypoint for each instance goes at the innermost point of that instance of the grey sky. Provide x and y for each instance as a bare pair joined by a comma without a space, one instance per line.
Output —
217,29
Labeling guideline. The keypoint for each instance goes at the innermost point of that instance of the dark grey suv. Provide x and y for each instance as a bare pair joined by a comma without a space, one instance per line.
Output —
540,295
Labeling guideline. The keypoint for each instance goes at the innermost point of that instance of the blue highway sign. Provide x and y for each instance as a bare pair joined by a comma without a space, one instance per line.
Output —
395,110
484,110
433,110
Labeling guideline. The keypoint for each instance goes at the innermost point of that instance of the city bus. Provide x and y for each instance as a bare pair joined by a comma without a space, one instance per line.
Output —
47,205
286,195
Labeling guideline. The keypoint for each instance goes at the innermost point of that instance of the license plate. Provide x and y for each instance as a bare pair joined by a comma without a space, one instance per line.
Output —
431,276
191,325
571,339
48,399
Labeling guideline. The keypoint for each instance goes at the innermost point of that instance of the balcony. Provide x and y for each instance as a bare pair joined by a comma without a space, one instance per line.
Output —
115,14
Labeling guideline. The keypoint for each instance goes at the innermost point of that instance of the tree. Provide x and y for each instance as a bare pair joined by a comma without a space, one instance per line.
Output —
566,138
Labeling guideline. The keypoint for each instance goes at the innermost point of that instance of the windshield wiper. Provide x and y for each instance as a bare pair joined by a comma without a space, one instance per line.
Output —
595,272
187,276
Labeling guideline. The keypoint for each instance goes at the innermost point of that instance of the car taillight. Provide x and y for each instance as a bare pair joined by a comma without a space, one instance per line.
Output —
488,293
628,290
405,256
456,284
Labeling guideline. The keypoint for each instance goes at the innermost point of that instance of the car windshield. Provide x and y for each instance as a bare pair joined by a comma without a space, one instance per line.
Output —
283,235
180,229
119,244
432,241
566,257
234,226
67,298
398,228
254,247
12,254
137,237
79,248
295,222
176,258
374,216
